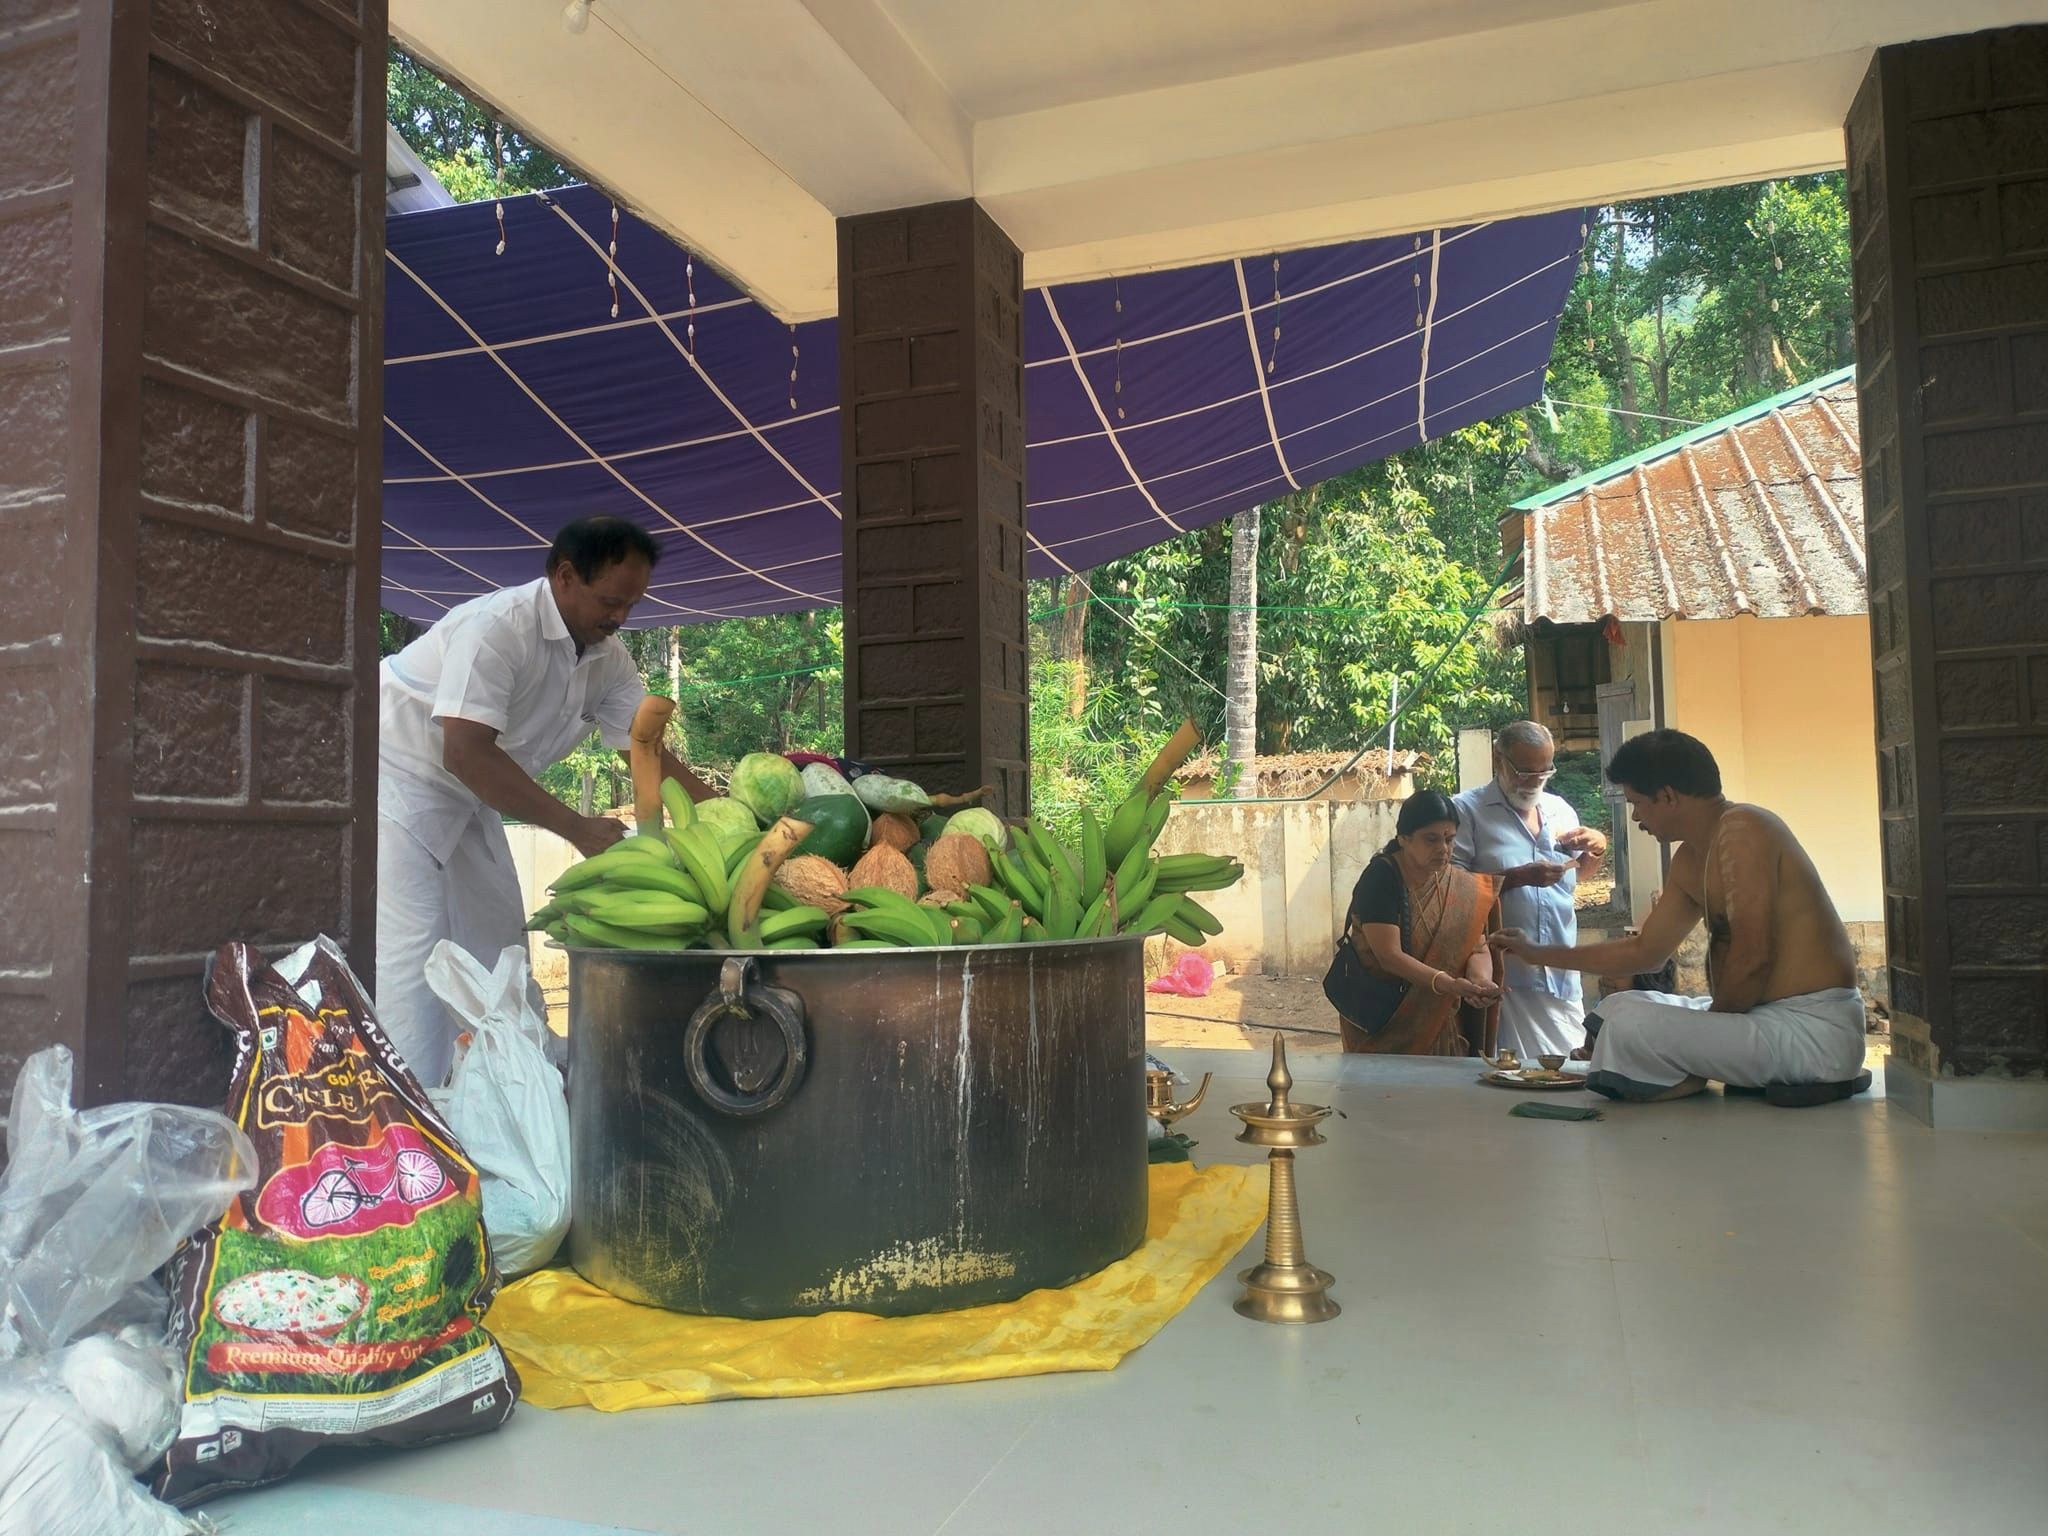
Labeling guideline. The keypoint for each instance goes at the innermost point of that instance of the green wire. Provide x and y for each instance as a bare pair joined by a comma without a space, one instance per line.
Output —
1160,602
762,677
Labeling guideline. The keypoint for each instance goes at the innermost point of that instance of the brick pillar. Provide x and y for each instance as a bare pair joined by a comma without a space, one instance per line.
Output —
931,373
191,299
1948,169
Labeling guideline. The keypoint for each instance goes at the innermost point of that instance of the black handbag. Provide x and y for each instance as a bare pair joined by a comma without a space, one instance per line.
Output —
1364,997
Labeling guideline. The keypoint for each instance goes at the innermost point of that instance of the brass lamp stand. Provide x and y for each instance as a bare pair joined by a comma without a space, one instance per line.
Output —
1286,1288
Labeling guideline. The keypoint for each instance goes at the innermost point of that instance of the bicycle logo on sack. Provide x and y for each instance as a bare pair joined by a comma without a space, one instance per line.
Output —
335,1197
345,1189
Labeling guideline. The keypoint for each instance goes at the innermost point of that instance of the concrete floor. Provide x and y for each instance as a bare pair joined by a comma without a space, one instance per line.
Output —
1704,1316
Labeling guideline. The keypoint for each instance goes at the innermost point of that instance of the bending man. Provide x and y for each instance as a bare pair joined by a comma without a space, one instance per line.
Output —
1514,828
500,689
1785,1016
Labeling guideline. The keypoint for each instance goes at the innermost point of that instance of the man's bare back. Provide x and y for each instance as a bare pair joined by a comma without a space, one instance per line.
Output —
1773,931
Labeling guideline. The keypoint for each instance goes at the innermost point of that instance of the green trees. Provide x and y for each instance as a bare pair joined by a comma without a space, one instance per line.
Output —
459,140
1359,593
1692,306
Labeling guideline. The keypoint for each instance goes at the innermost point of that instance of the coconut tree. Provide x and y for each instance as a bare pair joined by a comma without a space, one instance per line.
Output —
1241,677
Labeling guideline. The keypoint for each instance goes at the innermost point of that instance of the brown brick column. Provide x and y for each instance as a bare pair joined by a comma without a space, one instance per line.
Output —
931,374
1948,165
191,299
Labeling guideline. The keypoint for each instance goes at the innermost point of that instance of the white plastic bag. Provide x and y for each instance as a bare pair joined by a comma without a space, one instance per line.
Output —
504,1101
60,1474
91,1204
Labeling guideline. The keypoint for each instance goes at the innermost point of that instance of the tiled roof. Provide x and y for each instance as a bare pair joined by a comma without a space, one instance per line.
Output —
1758,513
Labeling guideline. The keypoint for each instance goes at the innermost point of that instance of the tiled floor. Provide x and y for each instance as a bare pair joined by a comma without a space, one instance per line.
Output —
1705,1316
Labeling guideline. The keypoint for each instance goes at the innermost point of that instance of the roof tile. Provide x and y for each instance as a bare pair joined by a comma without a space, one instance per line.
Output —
1759,513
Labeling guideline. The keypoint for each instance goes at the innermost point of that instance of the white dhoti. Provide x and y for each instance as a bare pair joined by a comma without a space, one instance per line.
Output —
473,899
1648,1042
1536,1024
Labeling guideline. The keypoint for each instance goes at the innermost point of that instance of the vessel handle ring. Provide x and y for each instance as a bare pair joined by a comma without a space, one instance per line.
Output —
743,996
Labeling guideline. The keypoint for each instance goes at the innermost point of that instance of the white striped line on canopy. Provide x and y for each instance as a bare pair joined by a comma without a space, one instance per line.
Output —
1286,437
690,357
692,311
526,389
755,430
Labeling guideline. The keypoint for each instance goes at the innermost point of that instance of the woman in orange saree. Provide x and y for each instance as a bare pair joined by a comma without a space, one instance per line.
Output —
1419,979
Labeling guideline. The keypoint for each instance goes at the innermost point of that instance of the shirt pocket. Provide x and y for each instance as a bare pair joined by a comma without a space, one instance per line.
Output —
570,722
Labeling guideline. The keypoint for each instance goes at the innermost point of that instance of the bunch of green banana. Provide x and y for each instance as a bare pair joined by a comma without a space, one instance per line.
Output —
1198,872
1112,884
680,889
879,918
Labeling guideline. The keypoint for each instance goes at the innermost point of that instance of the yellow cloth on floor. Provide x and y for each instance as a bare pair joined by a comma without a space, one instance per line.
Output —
576,1345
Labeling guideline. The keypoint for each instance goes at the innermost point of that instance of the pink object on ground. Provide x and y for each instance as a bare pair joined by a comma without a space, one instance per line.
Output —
1190,977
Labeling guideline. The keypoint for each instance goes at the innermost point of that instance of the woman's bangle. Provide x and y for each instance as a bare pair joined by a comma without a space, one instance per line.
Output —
1434,978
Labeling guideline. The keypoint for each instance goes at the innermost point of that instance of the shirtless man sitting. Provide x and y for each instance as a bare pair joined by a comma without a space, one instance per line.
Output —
1785,1017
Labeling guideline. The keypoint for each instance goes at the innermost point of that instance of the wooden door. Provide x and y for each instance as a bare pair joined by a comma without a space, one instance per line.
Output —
1617,707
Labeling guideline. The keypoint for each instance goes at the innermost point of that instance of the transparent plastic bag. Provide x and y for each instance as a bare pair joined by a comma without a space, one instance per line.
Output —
504,1101
94,1201
91,1204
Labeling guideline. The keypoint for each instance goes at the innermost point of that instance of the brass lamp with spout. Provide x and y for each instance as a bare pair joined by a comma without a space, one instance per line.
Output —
1159,1098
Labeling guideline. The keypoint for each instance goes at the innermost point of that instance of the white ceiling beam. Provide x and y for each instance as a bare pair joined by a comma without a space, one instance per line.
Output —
1579,153
1478,74
827,89
745,129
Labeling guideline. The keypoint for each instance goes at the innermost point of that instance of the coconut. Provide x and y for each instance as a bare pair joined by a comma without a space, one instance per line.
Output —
885,866
937,897
899,832
813,881
957,862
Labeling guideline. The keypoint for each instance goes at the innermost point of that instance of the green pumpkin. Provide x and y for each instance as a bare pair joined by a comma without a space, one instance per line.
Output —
839,828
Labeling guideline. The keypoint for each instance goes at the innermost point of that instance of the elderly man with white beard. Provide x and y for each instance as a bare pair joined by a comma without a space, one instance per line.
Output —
1512,825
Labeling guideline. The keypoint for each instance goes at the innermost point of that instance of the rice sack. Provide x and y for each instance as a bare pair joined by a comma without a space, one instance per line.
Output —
341,1301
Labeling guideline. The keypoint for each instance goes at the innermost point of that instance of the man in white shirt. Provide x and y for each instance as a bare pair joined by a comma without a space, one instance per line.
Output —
500,689
1512,825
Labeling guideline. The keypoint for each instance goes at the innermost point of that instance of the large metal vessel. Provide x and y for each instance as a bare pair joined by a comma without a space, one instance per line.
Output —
889,1131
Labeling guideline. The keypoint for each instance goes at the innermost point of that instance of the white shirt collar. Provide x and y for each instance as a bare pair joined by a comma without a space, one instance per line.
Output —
552,624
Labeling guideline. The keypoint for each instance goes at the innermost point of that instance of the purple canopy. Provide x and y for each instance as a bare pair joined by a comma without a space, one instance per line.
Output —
514,400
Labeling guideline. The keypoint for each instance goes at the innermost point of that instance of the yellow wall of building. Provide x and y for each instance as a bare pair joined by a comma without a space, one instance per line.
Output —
1785,705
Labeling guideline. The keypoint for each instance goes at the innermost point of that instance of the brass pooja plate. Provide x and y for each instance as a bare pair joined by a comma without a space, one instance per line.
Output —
1534,1079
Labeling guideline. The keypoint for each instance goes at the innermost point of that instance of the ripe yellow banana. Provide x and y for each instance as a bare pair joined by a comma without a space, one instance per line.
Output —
762,860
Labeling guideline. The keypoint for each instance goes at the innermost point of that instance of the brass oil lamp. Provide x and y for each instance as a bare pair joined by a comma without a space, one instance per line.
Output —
1286,1288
